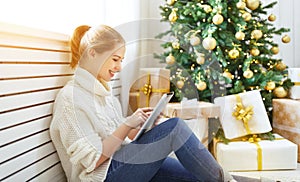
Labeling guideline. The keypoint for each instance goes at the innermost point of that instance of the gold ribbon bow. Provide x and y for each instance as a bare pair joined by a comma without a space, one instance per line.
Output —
147,89
242,113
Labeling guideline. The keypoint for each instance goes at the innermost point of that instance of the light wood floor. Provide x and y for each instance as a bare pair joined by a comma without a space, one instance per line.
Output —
273,176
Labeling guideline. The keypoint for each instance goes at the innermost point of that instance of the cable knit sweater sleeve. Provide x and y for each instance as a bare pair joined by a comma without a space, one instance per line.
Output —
75,138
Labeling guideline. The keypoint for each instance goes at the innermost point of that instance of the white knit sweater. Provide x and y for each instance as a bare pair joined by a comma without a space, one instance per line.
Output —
84,114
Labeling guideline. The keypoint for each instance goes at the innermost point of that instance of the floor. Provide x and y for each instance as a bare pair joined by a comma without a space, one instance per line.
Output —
273,176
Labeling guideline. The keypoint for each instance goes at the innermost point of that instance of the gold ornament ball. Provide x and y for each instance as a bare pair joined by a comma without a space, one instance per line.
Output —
248,74
285,39
256,34
209,43
272,17
247,16
173,16
270,85
170,2
175,45
240,35
233,54
280,66
200,59
207,8
180,84
194,41
275,50
228,75
201,86
241,5
254,52
170,59
280,92
252,4
218,19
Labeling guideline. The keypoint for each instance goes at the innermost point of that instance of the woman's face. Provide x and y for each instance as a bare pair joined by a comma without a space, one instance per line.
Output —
112,65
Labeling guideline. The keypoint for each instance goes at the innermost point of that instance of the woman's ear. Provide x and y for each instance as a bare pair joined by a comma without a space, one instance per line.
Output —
92,53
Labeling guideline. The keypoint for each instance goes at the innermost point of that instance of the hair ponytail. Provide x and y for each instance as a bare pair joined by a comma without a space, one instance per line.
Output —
75,44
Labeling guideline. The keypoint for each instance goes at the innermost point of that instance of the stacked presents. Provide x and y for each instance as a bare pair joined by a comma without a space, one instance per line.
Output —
249,144
152,83
286,115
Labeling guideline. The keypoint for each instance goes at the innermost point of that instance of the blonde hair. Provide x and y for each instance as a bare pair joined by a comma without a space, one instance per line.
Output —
102,38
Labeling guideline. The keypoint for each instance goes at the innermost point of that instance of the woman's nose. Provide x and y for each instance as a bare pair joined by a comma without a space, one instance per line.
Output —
118,67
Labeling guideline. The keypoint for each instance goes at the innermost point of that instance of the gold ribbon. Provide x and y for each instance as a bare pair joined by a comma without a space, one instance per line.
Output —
242,113
297,83
147,89
254,139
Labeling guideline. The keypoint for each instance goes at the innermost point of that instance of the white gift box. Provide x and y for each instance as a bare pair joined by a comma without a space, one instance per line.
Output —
234,127
199,127
195,114
245,156
294,75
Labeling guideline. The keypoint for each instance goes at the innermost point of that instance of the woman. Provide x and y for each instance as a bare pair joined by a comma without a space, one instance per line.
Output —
93,139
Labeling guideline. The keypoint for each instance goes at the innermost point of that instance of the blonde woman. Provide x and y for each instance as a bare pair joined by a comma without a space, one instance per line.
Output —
93,139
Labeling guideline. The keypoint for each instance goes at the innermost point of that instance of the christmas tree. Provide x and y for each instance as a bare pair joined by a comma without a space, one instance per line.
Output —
223,47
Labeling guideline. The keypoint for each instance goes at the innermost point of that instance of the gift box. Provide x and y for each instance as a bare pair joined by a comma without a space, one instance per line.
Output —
188,110
195,114
150,85
256,155
294,75
243,114
286,120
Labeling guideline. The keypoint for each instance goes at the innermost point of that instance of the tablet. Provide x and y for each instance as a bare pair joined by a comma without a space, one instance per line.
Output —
164,100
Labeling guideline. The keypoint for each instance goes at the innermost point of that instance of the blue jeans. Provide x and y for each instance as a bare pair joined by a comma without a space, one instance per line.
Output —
147,159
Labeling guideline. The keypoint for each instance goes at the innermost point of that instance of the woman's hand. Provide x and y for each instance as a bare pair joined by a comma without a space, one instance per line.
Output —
138,117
